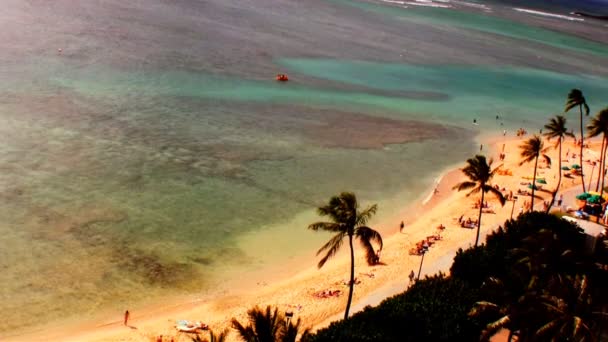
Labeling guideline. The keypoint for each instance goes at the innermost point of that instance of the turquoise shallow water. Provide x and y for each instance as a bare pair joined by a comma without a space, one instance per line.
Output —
155,159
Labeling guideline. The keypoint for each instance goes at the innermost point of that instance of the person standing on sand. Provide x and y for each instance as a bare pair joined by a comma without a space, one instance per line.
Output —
401,227
126,317
411,276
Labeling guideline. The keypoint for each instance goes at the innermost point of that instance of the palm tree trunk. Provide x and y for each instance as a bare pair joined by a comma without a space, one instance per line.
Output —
510,338
480,210
601,173
559,178
580,108
533,184
352,275
604,159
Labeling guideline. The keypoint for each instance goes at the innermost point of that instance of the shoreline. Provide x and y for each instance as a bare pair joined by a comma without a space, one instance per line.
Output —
295,292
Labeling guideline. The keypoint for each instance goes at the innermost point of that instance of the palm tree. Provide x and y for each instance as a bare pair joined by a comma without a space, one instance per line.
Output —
597,126
556,128
479,173
212,337
531,149
576,98
268,326
346,220
568,309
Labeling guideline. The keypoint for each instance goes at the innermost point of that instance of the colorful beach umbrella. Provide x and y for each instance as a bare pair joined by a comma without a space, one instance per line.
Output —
583,196
595,199
530,187
541,181
575,166
565,168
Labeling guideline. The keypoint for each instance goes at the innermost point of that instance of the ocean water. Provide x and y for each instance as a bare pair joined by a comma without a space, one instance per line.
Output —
147,154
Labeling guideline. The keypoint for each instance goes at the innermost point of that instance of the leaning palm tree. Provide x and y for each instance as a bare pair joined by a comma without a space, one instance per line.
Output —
531,149
479,173
576,98
347,221
268,326
597,126
556,128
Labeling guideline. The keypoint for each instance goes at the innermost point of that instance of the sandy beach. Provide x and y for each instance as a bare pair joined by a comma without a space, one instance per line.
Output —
444,207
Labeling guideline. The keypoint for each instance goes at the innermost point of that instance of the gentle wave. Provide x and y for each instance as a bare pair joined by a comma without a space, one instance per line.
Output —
394,2
436,183
427,3
547,14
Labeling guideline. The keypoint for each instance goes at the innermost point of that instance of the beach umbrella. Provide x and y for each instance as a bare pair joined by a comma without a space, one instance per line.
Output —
565,168
575,166
541,181
583,196
595,199
530,186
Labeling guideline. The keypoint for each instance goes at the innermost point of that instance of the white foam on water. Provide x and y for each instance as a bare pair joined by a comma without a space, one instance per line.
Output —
473,5
435,183
426,3
394,2
547,14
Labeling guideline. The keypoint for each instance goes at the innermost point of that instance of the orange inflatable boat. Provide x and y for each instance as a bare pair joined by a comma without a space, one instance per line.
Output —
282,78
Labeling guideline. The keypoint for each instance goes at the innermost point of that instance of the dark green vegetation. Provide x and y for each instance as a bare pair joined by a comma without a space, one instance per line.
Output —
535,276
268,326
347,221
480,174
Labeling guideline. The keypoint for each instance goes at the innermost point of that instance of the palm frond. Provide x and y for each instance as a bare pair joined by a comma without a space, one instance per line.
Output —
366,235
556,128
366,215
332,247
575,98
493,327
579,326
495,170
246,333
497,194
547,159
290,333
483,306
218,338
327,226
464,185
546,328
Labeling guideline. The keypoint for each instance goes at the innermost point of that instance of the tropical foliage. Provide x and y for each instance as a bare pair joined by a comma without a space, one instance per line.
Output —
433,309
268,326
347,222
480,174
222,337
534,276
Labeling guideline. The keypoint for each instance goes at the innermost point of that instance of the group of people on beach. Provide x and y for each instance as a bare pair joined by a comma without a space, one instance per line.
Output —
468,223
328,293
423,246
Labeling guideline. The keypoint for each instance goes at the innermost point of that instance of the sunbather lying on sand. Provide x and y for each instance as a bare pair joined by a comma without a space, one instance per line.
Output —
190,326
